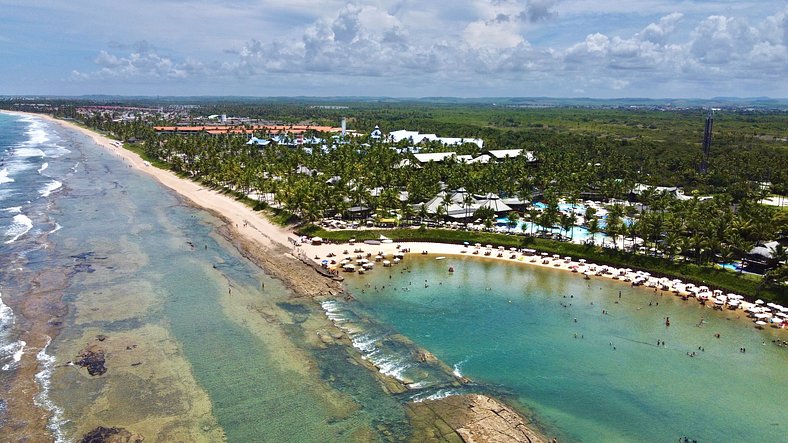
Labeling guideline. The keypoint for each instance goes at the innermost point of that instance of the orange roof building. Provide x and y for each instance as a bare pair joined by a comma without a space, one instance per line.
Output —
271,129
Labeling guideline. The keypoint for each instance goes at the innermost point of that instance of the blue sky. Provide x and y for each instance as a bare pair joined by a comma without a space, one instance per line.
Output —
411,48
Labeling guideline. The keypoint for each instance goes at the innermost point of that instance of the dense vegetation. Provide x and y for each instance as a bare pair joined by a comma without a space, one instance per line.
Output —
583,153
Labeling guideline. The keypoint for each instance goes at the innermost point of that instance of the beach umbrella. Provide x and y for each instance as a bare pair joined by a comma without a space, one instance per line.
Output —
759,302
582,260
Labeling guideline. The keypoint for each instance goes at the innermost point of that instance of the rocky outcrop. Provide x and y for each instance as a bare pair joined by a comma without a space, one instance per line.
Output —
92,358
477,419
111,435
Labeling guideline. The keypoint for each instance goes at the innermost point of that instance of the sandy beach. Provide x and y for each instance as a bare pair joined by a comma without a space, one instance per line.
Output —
270,247
337,252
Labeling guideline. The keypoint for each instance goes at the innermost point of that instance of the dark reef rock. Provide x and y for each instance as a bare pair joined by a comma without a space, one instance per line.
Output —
92,358
111,435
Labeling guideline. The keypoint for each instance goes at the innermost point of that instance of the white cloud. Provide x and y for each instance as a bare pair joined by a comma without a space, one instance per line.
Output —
142,62
482,43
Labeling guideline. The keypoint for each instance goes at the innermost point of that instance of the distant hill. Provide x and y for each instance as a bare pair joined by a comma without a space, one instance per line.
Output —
722,102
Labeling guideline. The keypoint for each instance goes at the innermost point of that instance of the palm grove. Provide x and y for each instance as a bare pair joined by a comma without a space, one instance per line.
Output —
596,160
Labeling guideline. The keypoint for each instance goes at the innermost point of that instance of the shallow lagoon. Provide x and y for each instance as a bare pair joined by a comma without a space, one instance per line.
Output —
512,328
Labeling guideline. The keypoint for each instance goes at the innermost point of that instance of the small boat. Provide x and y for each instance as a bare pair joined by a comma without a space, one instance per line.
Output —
440,258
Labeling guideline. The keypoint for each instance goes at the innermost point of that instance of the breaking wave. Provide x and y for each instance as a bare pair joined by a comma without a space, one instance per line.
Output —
20,226
4,178
44,379
49,188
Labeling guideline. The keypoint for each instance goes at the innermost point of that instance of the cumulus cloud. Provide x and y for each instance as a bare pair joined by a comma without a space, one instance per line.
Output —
487,43
143,62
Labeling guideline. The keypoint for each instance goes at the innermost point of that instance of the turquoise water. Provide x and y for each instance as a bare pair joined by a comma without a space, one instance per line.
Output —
577,233
602,377
139,264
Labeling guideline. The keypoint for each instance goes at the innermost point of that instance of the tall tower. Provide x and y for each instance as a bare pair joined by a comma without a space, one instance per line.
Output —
704,164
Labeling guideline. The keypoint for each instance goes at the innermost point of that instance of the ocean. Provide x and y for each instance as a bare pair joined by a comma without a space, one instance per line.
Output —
539,338
199,343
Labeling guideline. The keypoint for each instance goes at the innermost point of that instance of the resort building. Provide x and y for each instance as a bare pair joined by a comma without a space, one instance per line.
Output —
415,138
461,205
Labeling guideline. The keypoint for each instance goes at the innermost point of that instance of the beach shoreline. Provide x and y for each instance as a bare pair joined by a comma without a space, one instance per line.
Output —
337,252
272,248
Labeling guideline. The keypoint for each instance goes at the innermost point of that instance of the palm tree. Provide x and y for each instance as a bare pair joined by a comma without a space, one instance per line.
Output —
446,200
468,201
567,222
593,228
423,212
614,226
513,219
533,217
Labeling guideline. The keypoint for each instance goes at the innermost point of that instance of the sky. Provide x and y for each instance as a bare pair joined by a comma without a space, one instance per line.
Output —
396,48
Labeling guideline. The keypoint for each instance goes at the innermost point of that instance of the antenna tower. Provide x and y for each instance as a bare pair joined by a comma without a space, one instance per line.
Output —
704,164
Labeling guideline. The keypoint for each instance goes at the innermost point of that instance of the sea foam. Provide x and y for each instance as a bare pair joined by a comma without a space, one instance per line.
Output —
55,151
44,379
55,229
26,152
11,349
49,188
6,316
36,131
20,226
4,178
368,344
43,167
15,350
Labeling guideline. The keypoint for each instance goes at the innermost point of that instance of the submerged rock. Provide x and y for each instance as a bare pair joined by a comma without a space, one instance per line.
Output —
111,435
92,358
474,419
